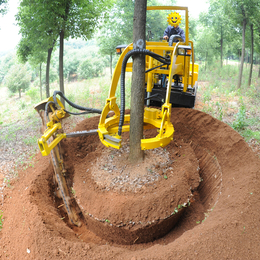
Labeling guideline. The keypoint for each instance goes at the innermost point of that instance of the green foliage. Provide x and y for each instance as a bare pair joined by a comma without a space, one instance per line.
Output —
3,6
72,60
33,93
90,68
156,21
1,219
18,78
42,23
6,62
31,141
249,134
53,74
240,119
118,28
7,182
219,110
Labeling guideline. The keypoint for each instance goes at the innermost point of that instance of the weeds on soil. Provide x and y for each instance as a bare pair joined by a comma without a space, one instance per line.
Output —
20,123
1,219
237,107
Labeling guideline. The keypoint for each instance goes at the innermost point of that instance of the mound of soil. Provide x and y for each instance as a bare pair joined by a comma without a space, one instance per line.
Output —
131,203
222,222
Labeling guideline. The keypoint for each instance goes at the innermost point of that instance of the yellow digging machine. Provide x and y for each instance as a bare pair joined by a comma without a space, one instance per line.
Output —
171,80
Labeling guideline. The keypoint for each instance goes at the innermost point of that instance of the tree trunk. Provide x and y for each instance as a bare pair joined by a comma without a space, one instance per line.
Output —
111,59
41,80
221,47
247,58
138,82
252,55
242,55
206,61
20,93
48,72
259,68
61,65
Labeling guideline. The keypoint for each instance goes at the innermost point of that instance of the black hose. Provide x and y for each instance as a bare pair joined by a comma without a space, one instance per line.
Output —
165,61
155,68
76,114
46,108
89,110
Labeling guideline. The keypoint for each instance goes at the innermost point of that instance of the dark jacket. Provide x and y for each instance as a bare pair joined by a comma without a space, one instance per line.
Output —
171,30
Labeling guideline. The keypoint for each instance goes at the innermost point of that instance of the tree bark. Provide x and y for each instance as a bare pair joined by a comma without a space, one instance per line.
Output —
247,58
41,80
138,82
48,72
242,55
206,58
259,68
221,47
111,60
252,54
61,65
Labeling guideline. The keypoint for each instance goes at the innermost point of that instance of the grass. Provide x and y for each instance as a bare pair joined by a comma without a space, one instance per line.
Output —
31,140
1,219
220,97
237,107
73,191
7,181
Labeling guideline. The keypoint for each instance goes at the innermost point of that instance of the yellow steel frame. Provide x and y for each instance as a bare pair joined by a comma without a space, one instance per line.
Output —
52,127
153,118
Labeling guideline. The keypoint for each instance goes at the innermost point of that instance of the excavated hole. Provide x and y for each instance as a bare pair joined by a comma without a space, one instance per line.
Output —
202,204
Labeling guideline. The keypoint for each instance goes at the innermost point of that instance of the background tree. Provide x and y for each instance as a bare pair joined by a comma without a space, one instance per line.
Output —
5,65
239,13
205,45
118,28
38,27
3,6
36,57
77,19
217,22
42,22
18,79
254,22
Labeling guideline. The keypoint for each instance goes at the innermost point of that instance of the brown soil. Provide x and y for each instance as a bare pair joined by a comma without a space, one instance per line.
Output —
222,221
131,203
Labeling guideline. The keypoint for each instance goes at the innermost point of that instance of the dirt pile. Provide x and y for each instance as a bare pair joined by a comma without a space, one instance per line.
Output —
222,222
132,203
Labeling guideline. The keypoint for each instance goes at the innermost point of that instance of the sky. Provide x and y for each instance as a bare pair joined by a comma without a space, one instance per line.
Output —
9,32
194,6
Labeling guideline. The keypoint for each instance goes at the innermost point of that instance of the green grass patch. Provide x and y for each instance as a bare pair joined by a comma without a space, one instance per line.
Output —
221,98
1,219
249,134
31,140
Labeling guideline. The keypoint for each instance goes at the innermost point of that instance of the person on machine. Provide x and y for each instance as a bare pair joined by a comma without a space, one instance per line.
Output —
174,19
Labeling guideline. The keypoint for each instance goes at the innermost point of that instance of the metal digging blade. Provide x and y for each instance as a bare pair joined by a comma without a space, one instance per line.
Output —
59,170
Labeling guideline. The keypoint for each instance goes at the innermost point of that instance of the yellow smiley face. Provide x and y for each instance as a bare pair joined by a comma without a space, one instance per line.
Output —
174,19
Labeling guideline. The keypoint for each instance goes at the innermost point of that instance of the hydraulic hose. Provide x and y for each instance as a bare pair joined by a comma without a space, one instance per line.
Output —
164,60
46,108
88,110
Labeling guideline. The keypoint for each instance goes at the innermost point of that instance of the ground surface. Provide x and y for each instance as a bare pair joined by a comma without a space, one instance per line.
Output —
221,223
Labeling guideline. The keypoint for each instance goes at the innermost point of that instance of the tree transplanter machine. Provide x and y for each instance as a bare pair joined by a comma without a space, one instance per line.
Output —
171,80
